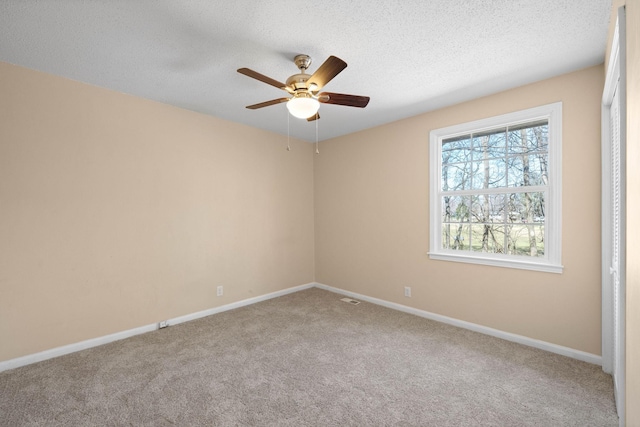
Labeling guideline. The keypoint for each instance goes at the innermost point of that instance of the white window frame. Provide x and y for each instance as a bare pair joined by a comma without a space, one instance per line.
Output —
551,261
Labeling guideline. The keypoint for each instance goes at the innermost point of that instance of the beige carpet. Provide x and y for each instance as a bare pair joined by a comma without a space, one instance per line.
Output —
309,359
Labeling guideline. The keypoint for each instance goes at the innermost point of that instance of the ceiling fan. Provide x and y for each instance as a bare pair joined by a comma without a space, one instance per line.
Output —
305,88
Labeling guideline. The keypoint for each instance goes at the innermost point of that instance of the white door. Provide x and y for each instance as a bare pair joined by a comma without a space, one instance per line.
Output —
613,216
616,265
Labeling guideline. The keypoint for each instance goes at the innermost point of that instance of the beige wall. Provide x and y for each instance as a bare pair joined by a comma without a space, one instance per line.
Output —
116,212
372,221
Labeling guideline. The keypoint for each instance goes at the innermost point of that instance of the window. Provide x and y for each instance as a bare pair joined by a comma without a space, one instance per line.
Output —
496,190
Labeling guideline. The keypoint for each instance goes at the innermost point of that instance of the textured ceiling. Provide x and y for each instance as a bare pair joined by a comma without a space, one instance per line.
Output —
409,56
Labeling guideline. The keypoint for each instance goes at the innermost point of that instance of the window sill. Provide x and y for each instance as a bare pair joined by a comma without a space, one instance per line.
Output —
540,265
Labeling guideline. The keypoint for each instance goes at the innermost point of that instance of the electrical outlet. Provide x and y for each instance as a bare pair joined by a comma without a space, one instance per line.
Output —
163,324
219,291
407,291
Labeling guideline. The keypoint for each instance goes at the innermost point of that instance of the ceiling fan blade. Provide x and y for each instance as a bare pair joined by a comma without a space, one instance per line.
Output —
343,99
314,117
327,71
267,103
262,78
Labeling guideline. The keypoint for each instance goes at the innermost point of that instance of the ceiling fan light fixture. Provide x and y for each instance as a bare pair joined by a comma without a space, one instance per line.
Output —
304,88
303,106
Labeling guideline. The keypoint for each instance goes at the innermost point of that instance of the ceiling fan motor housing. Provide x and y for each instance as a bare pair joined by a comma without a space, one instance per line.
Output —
298,81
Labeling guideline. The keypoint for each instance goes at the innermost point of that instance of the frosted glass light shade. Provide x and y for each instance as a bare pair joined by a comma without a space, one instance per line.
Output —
303,107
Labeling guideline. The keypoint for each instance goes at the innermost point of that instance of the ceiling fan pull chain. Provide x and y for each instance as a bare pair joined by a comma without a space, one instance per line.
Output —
317,150
288,144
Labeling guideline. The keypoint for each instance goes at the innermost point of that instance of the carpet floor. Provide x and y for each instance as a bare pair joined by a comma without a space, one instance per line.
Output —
309,359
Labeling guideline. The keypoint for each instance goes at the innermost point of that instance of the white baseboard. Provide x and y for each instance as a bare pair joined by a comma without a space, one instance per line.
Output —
531,342
94,342
244,302
72,348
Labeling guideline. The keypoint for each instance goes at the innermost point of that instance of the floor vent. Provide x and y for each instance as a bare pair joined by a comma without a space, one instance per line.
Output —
350,301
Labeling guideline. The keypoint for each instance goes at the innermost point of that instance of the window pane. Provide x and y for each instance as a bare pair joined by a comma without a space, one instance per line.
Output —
488,208
479,209
456,177
525,239
526,170
539,138
529,139
526,208
455,208
497,204
489,145
514,208
455,236
489,174
456,150
487,238
448,230
538,169
514,171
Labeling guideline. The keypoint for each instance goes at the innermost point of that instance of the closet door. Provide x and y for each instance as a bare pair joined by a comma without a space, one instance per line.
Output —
614,216
616,241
